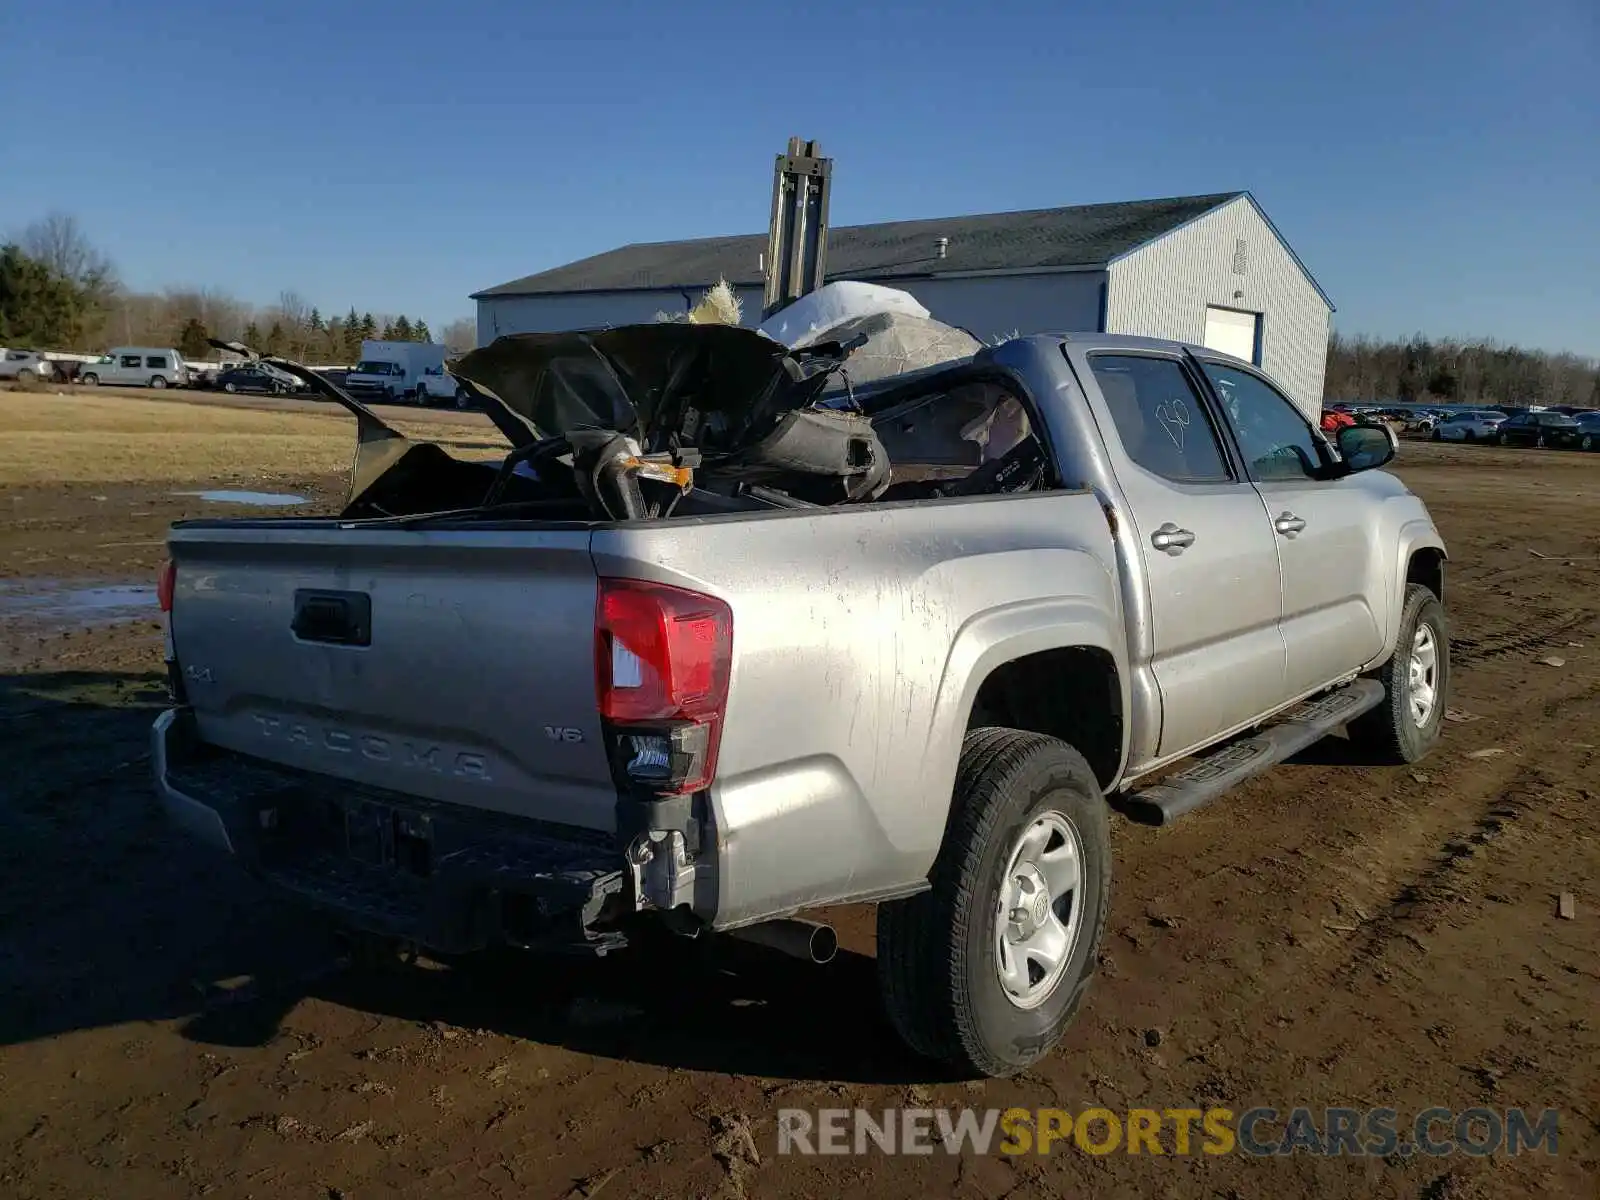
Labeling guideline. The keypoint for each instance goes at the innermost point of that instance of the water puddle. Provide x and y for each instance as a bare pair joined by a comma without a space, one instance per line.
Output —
60,603
253,499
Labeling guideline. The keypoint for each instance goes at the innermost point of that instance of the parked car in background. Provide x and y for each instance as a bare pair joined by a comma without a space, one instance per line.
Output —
1588,431
137,366
258,377
25,366
392,371
437,386
1479,426
1538,429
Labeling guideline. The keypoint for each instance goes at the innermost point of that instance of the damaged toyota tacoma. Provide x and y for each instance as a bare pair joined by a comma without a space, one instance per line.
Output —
737,628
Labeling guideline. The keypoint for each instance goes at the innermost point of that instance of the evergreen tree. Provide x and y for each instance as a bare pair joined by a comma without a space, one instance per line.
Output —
388,331
39,306
369,327
192,342
350,347
314,322
252,336
420,332
402,330
276,338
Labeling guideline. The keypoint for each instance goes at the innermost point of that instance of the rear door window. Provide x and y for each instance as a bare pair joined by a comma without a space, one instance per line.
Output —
156,360
1161,422
131,361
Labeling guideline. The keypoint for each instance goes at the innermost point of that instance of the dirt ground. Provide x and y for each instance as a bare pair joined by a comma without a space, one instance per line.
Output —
1331,935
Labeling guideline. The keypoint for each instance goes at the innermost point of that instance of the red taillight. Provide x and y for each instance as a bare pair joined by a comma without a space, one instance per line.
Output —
663,656
165,585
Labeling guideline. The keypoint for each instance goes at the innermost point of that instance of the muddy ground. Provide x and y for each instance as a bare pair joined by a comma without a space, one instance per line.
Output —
1331,935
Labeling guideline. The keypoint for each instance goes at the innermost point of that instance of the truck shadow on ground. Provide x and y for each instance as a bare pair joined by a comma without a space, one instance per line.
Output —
107,918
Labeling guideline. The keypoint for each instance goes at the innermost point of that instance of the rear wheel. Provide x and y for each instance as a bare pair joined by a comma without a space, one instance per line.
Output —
1586,442
1469,436
1405,727
89,380
463,400
157,382
986,969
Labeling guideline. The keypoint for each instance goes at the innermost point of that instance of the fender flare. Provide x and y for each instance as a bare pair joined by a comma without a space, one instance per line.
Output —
1416,534
990,639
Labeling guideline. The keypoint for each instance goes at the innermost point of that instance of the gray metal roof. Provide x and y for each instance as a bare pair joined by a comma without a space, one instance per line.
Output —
1084,235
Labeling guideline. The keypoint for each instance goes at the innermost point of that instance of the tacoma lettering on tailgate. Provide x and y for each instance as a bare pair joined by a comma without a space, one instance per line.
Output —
419,756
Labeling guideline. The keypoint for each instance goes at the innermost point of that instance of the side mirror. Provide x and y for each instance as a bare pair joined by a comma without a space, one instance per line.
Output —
1364,447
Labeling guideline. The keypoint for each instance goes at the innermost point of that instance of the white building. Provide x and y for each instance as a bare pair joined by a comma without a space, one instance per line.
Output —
1210,270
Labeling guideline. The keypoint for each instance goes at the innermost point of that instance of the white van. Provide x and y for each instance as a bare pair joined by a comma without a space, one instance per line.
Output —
137,366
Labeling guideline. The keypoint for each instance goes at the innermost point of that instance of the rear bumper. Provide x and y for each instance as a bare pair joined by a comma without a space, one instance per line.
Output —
442,876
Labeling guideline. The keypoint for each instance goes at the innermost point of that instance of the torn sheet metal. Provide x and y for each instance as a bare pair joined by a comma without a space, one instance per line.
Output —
715,386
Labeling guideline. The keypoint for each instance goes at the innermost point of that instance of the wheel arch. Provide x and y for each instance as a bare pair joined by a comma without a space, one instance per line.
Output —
1000,658
1420,557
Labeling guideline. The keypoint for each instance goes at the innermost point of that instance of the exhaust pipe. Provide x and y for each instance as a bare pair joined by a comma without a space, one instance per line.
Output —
809,940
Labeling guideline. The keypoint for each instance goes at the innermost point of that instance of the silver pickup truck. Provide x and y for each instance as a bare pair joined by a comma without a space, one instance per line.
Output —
658,666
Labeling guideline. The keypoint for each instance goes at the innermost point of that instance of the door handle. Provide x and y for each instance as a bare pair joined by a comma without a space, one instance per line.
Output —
1171,539
1288,524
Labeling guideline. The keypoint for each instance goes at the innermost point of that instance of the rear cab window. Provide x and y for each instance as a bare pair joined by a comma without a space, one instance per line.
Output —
155,360
1161,422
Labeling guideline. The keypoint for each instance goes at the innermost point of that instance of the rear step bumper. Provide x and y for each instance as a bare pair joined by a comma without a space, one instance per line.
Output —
1233,762
445,877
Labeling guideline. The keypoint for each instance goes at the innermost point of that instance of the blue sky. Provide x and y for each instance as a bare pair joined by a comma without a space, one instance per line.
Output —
1437,165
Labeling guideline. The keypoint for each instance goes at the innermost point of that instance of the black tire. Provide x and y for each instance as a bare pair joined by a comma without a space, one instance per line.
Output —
1586,442
157,382
1390,733
1469,436
937,965
1437,436
89,380
462,399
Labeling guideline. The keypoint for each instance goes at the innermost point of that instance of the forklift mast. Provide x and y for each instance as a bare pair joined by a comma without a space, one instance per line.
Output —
797,240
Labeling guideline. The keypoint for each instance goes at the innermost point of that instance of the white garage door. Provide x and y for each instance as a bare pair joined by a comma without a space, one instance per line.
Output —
1232,332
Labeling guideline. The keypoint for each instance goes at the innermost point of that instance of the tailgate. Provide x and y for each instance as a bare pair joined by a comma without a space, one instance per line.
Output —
456,665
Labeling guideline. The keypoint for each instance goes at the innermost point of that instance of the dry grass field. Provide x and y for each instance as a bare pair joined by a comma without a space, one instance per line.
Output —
110,437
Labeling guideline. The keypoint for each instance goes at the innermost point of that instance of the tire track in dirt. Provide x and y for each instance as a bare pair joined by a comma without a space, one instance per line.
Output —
1540,628
1460,806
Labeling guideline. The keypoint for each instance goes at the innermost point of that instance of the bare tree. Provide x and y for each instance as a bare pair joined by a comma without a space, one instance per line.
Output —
293,309
59,242
460,335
